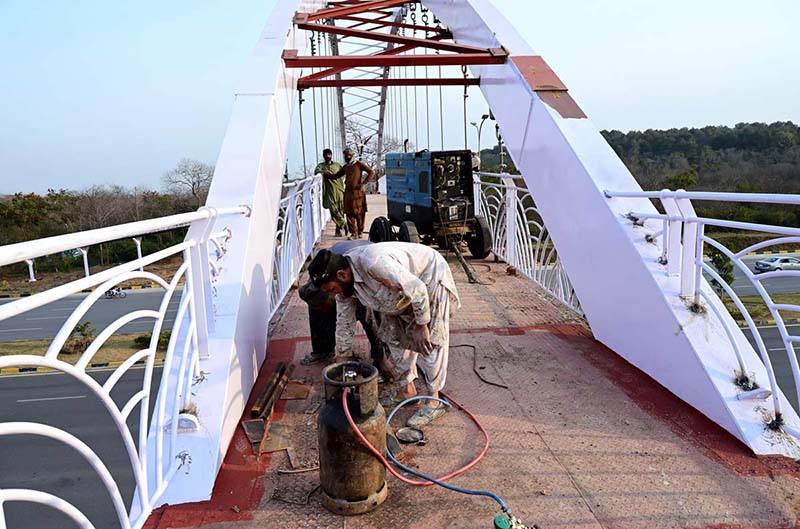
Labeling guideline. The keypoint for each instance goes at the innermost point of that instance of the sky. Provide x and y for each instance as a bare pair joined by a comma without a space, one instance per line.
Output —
98,92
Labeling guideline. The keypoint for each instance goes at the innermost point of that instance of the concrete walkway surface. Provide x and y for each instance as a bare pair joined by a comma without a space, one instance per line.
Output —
579,438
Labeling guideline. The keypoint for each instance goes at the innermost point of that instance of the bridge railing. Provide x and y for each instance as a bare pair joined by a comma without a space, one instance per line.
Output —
301,219
202,254
684,243
519,235
300,224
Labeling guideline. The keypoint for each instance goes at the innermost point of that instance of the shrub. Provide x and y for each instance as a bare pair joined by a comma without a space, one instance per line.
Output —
81,337
143,340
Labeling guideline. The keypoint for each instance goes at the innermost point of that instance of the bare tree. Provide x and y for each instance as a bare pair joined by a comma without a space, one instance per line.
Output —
365,142
190,177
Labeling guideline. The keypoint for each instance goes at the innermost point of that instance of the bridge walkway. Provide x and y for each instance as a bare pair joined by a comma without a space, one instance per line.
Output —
580,438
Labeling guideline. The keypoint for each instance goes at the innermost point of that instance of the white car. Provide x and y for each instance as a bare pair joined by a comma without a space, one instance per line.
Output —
771,264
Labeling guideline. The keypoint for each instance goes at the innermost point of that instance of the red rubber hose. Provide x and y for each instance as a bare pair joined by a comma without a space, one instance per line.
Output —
391,469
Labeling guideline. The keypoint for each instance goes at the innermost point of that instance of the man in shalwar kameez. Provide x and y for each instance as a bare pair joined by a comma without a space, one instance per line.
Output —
355,199
412,288
332,189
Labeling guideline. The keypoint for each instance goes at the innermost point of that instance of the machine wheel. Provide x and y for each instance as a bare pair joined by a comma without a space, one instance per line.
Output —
480,244
408,232
380,230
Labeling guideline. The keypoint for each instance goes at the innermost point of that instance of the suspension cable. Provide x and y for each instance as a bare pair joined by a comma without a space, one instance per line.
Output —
424,19
302,132
441,112
466,95
441,105
323,96
416,88
314,98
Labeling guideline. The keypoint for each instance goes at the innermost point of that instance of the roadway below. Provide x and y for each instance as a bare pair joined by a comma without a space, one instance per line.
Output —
779,358
43,464
743,287
44,322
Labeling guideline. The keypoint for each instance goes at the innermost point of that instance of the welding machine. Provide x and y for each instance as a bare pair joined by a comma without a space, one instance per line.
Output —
430,199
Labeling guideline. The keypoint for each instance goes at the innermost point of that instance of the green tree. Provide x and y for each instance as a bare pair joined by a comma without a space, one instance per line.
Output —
684,180
724,267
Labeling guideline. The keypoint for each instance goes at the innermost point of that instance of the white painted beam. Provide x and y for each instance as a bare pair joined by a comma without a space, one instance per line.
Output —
631,303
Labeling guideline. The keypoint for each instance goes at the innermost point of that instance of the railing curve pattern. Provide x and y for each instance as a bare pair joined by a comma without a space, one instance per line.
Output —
685,246
521,238
301,220
202,253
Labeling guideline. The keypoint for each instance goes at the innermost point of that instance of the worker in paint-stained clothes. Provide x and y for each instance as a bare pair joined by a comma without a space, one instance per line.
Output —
355,200
412,288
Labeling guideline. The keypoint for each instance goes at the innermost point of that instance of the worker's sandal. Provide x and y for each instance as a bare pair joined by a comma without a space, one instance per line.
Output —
425,415
314,358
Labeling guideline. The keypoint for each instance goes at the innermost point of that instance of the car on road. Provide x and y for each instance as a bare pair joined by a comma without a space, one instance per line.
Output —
771,264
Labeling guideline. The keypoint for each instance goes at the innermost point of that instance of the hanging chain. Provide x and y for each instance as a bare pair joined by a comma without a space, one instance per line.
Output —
466,95
302,132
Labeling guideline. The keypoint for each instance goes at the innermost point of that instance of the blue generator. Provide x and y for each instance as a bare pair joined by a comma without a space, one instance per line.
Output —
430,199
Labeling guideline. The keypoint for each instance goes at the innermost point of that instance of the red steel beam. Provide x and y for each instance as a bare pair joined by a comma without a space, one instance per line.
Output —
365,21
333,71
388,37
348,83
394,24
493,56
335,12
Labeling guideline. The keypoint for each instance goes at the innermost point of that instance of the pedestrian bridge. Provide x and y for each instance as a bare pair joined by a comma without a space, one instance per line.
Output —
617,387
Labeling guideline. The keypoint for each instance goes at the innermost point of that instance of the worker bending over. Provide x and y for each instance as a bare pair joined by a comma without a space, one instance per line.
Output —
322,319
411,286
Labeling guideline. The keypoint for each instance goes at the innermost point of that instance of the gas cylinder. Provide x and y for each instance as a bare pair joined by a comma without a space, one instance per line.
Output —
353,480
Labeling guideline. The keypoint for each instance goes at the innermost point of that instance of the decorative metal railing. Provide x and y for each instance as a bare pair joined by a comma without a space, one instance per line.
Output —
521,239
683,240
187,345
300,223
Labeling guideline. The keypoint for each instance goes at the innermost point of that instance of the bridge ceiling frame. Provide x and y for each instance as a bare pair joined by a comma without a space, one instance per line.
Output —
378,25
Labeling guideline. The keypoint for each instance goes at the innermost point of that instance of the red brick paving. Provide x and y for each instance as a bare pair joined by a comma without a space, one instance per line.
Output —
580,439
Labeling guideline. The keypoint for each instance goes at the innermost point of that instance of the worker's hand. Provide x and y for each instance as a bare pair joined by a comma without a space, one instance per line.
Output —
422,339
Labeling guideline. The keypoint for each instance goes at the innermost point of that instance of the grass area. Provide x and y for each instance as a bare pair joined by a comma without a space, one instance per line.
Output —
758,310
736,241
116,349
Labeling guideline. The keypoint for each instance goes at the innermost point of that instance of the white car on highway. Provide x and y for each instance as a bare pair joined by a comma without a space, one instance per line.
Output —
771,264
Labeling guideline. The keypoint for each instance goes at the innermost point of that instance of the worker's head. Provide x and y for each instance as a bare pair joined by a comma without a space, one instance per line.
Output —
327,155
331,273
348,154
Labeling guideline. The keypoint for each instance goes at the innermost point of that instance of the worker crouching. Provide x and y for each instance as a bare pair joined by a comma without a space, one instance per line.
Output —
412,288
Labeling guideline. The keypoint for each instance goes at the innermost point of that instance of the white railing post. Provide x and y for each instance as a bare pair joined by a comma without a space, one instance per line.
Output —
85,253
31,277
309,234
698,273
688,262
138,241
511,219
672,234
198,281
477,191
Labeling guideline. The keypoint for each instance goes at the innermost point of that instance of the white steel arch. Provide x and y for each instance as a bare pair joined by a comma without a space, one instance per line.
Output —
632,305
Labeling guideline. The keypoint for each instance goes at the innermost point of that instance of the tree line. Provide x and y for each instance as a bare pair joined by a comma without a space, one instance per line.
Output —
28,216
746,158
